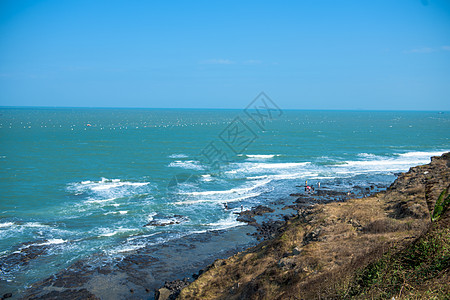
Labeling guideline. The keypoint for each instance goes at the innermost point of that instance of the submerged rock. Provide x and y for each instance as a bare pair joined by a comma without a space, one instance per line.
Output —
22,257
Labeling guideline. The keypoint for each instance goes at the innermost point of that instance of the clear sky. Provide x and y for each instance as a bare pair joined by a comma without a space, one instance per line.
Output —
389,55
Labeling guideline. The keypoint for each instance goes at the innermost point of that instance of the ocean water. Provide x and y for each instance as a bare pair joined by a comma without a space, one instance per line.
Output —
87,181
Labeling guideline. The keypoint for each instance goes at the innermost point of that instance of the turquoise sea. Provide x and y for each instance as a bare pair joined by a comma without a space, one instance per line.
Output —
84,180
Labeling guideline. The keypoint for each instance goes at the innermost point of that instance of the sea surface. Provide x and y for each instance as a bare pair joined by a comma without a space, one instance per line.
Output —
84,181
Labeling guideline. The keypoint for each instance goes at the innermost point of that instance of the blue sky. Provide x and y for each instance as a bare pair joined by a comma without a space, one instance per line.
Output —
388,55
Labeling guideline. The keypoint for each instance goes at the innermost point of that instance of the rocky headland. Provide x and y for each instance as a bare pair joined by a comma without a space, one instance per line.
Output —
394,243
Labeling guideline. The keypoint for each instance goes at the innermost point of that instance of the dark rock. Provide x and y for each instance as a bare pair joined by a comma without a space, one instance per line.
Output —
22,257
303,199
7,295
257,211
200,272
246,219
72,279
171,290
311,236
269,229
247,216
332,193
297,251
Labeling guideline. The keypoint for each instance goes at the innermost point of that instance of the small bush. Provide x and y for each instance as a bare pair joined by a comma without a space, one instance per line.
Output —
441,205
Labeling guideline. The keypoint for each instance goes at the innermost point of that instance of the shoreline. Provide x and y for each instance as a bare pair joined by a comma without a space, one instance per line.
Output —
267,228
317,253
140,273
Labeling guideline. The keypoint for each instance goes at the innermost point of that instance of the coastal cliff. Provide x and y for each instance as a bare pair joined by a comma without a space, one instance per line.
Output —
391,244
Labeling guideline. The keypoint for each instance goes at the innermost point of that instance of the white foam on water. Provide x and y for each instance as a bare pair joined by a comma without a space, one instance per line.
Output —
103,185
125,248
115,184
367,155
225,223
322,177
305,174
102,193
121,212
142,236
250,167
7,224
252,170
100,200
34,224
186,164
206,177
422,154
181,155
261,155
150,216
108,232
53,242
230,191
256,177
398,162
218,201
45,243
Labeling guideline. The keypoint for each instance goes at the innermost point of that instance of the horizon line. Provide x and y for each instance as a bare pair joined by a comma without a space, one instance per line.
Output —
205,108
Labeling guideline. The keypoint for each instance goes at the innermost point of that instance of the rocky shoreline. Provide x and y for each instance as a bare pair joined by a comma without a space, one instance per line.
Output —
271,227
143,274
140,273
315,253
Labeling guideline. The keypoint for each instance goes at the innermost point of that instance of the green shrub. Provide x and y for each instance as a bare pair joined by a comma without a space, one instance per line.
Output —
441,205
